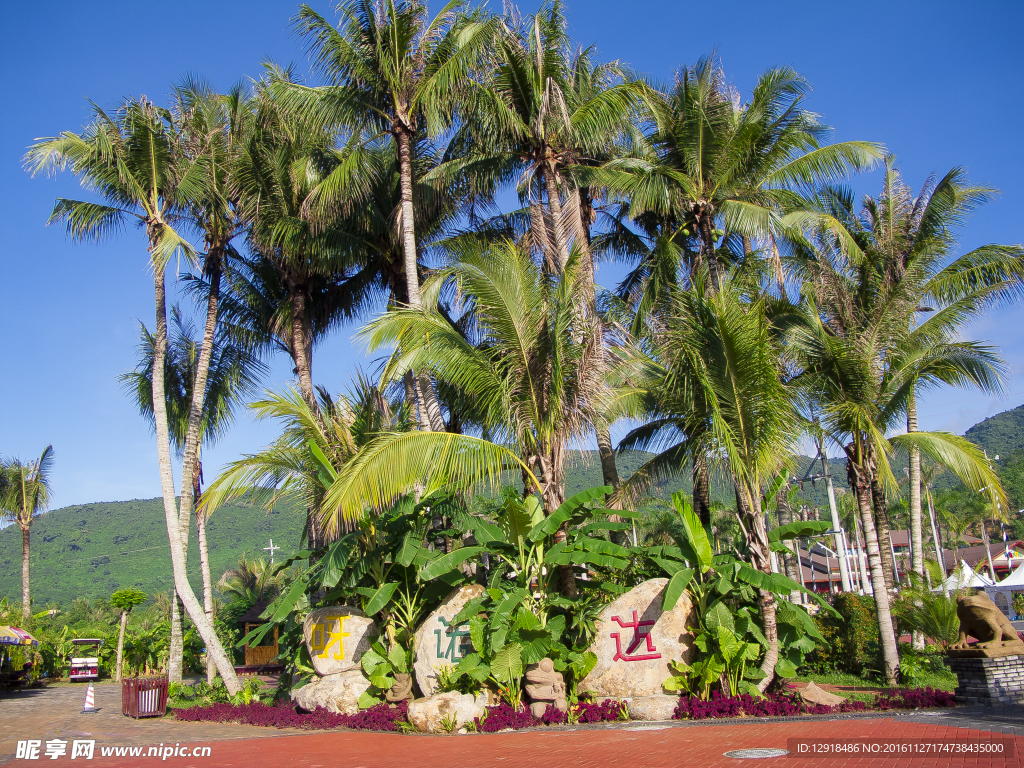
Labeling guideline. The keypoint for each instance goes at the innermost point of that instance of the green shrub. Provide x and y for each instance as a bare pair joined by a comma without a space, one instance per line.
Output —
852,637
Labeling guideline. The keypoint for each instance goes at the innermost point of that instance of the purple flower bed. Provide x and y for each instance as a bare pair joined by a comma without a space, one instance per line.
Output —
916,698
285,715
504,716
788,705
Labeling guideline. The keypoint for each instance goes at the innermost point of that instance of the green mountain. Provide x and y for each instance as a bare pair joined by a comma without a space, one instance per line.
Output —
1000,435
91,550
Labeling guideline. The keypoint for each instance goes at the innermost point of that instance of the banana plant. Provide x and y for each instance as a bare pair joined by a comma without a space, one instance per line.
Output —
722,589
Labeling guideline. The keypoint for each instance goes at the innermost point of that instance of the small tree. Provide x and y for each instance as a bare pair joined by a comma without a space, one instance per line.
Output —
124,600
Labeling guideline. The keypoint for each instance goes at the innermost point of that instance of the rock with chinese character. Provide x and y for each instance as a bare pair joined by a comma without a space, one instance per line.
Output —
438,644
434,714
544,686
636,640
337,693
337,637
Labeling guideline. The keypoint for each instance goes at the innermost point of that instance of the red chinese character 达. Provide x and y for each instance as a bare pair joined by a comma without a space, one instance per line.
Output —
641,631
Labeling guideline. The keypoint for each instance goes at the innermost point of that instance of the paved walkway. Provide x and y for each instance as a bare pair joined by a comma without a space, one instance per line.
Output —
55,713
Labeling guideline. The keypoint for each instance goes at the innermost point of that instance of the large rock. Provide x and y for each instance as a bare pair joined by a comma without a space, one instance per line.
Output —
636,640
438,643
337,637
429,714
812,694
338,693
660,707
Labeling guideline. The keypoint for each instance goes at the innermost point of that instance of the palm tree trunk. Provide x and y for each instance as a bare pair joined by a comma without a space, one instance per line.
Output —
300,347
884,537
183,588
204,562
429,404
748,503
176,644
555,208
26,593
702,490
988,549
412,279
862,488
120,646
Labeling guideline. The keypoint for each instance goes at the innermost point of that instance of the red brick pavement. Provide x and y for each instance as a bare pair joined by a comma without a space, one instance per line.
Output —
628,747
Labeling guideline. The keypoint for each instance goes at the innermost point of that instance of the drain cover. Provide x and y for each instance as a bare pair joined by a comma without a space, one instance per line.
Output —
756,754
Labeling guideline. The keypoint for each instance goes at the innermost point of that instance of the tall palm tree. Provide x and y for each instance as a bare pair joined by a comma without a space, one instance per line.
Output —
232,374
539,112
393,71
918,234
135,161
852,346
716,176
278,171
523,366
722,357
25,493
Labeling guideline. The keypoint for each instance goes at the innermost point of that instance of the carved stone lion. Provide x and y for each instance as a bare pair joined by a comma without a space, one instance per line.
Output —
980,618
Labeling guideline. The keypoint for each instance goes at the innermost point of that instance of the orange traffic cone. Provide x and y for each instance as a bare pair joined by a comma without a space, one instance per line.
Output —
90,701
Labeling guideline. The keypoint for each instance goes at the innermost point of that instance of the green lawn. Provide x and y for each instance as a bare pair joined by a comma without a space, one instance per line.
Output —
944,681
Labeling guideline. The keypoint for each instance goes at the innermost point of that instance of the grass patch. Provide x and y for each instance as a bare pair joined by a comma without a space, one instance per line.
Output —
943,680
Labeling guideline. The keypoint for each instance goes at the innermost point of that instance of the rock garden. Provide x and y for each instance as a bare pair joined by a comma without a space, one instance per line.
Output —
432,619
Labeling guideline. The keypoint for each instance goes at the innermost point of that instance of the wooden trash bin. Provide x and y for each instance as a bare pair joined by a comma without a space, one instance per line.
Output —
144,697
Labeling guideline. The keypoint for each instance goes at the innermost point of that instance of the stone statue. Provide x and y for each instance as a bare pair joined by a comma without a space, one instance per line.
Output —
544,686
401,690
980,618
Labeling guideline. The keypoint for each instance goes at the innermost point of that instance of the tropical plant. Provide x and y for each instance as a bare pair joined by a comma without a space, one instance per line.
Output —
24,494
526,377
135,160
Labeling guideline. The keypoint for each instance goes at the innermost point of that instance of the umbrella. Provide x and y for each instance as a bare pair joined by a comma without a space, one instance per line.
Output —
16,636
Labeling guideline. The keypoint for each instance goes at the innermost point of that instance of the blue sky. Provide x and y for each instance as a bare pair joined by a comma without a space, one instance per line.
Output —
939,83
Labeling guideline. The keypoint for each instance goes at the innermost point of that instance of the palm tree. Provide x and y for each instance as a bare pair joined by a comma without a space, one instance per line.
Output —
716,176
24,494
856,357
539,113
523,366
252,581
722,359
135,160
232,374
392,71
278,171
314,447
918,234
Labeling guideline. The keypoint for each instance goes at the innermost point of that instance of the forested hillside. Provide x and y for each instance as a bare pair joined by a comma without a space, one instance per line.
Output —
91,550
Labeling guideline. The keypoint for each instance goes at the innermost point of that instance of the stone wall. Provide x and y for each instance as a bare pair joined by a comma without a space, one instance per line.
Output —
990,682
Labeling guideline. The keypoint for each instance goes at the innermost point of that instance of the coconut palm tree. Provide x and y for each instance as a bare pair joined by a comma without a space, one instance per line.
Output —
392,71
854,364
278,171
313,448
24,494
723,359
918,234
232,374
135,160
540,112
523,364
